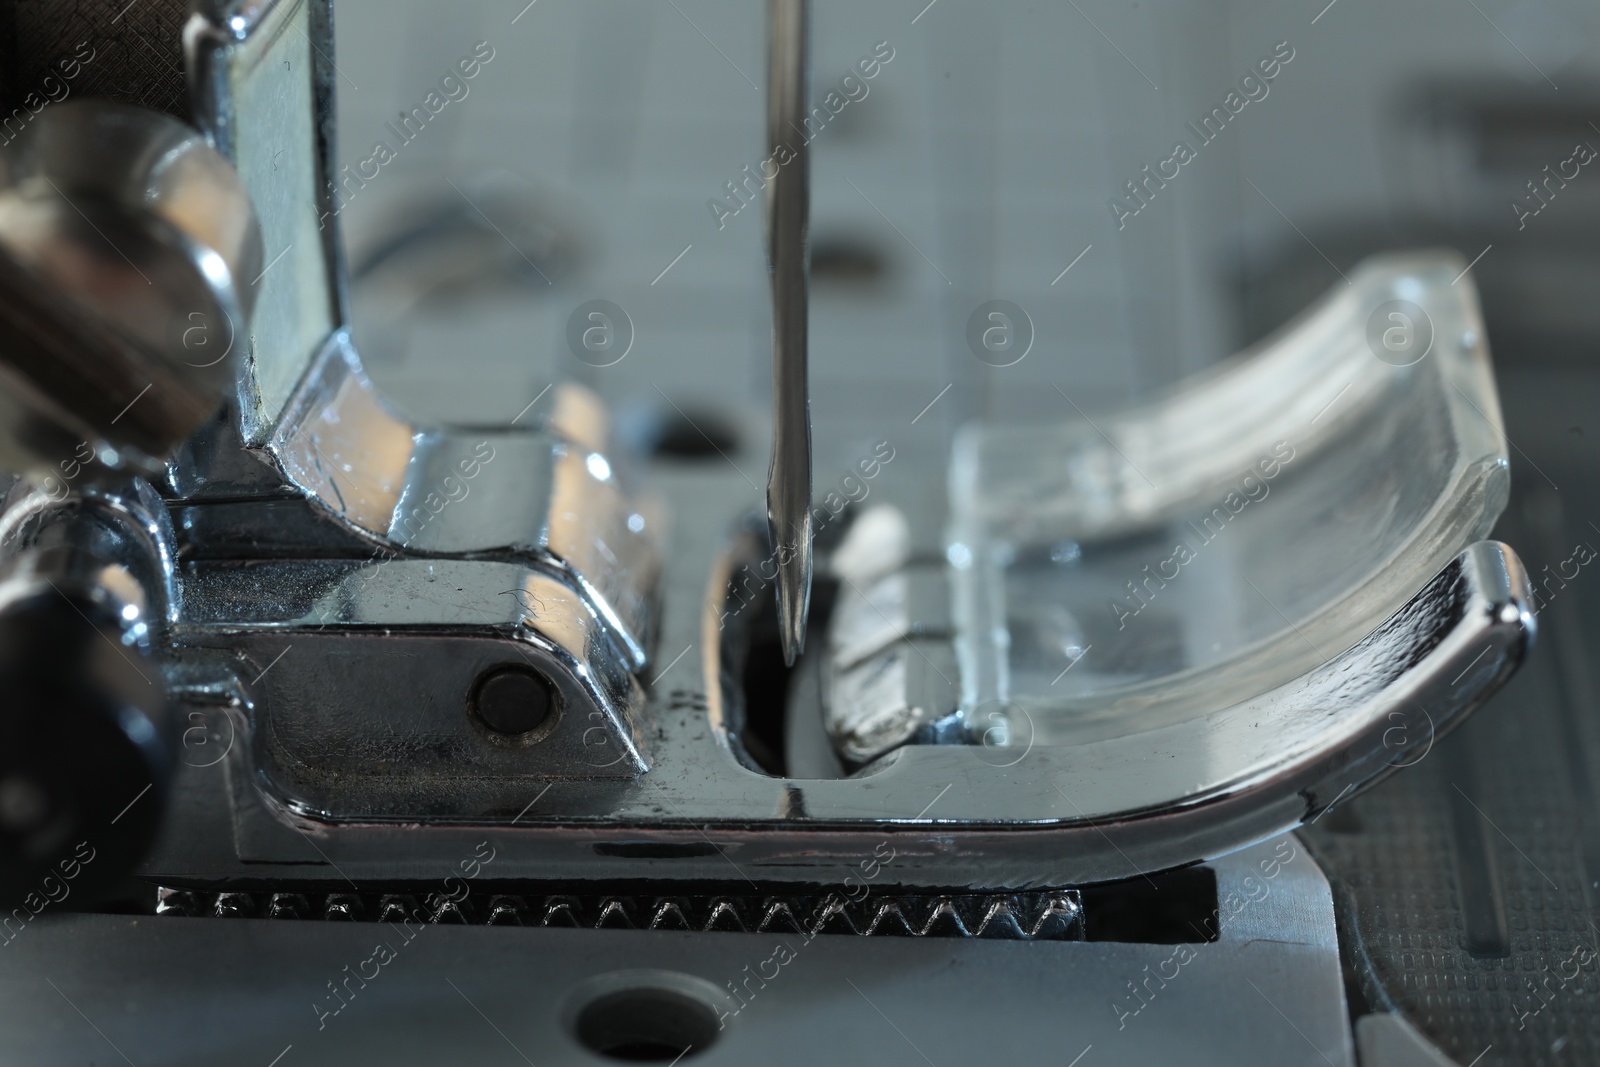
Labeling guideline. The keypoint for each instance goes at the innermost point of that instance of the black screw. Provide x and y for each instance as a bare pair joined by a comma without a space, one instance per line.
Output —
512,700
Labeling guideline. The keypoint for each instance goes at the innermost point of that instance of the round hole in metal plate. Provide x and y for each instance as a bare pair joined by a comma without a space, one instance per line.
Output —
646,1024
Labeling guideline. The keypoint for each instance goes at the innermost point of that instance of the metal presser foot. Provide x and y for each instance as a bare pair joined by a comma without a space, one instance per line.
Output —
312,652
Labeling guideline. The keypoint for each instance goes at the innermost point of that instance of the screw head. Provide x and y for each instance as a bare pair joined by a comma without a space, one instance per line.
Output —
512,700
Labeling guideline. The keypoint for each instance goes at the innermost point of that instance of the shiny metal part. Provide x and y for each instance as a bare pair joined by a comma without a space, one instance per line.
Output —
324,524
128,253
1043,915
788,261
890,674
382,654
111,541
557,494
870,616
1063,815
261,85
899,695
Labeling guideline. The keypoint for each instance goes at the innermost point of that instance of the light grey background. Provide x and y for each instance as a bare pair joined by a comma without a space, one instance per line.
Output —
981,161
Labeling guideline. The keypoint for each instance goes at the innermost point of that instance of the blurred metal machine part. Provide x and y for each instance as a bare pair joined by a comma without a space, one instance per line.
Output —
129,253
87,735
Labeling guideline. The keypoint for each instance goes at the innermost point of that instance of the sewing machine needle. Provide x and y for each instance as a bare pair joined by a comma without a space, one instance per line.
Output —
788,219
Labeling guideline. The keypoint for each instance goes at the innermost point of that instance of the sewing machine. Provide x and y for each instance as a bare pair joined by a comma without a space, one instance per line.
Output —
404,661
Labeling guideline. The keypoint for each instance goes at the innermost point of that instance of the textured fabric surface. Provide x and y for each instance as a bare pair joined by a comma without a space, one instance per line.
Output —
1467,886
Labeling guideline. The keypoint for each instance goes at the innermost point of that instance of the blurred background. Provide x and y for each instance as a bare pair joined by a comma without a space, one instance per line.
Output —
978,166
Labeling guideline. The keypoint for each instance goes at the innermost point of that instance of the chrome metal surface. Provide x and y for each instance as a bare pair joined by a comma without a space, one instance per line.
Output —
1060,816
260,82
128,252
111,540
364,718
788,261
557,494
901,692
319,517
890,673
